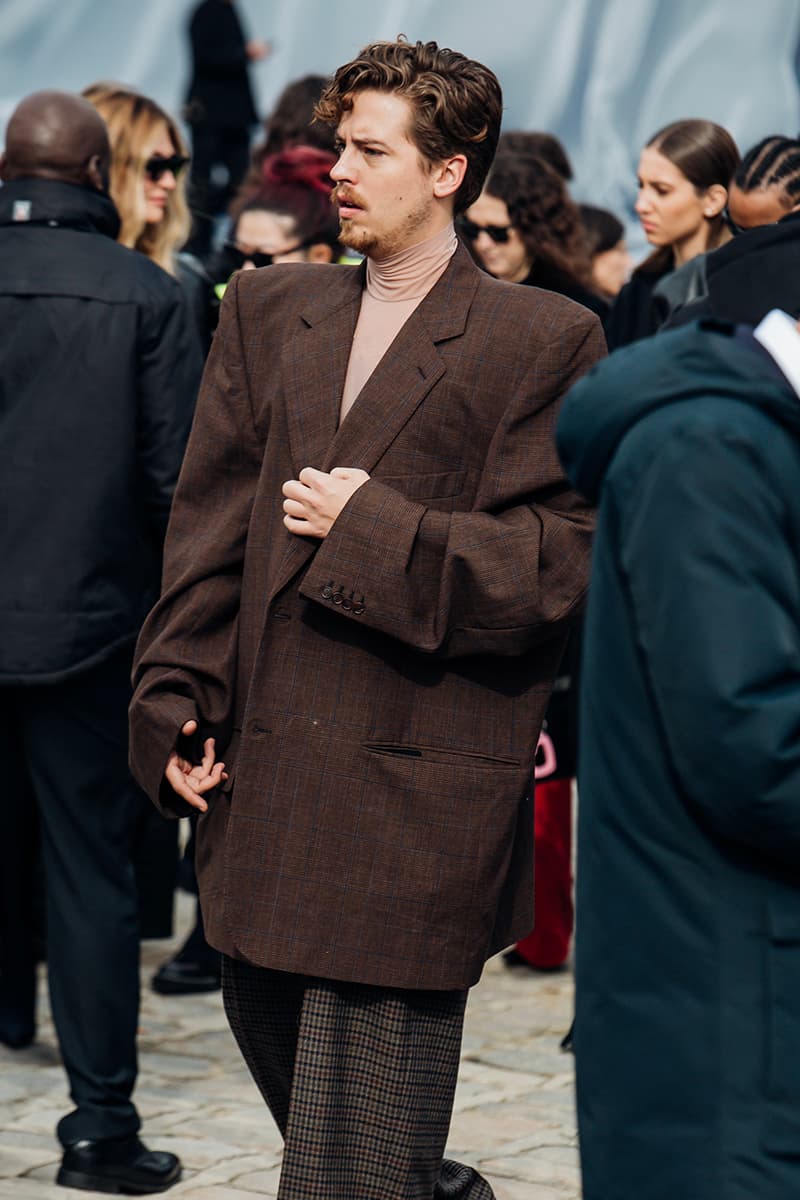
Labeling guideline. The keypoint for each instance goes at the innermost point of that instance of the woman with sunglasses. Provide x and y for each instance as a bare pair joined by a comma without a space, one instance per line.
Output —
524,228
289,218
148,163
685,171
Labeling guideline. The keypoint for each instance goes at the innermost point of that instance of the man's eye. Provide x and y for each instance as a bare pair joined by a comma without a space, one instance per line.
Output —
338,147
372,152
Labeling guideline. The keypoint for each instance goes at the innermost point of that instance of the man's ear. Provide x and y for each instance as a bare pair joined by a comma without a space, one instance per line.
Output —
449,175
97,174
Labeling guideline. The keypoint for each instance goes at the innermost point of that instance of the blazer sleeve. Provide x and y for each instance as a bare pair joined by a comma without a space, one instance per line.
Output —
713,577
495,580
185,660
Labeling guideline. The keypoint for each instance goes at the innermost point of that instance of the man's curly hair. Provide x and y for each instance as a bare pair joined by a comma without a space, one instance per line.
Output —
456,102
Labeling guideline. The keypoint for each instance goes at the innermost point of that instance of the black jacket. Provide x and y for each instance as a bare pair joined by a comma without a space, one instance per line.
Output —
219,94
98,376
687,1031
751,274
633,316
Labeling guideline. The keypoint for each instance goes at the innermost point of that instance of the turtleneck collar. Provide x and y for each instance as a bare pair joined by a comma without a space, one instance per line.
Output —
411,273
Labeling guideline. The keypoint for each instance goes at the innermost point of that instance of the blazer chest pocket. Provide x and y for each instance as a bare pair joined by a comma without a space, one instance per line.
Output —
427,487
782,1117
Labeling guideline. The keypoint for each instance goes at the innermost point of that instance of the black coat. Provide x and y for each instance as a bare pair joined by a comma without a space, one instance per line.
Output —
98,375
633,315
751,274
220,96
687,1032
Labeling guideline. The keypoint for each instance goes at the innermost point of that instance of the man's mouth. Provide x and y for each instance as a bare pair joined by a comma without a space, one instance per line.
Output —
347,205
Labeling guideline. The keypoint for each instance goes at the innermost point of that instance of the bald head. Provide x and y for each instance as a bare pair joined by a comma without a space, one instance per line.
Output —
56,135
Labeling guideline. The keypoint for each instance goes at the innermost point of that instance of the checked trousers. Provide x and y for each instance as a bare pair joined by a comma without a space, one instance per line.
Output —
360,1081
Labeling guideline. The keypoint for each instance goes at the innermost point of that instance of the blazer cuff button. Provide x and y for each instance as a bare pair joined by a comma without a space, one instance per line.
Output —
327,591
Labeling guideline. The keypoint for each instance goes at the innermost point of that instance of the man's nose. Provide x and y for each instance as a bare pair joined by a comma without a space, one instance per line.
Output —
343,167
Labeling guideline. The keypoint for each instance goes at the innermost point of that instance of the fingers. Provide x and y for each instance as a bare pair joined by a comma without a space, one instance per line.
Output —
313,478
299,526
189,728
207,761
295,490
190,783
180,785
294,508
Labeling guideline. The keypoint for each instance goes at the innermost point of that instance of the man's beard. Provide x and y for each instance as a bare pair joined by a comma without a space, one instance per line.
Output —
384,243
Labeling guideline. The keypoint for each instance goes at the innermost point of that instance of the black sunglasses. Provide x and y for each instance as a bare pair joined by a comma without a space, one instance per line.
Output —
729,221
498,233
154,168
258,258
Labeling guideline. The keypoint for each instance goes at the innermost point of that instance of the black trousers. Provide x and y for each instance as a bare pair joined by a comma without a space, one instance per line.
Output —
69,741
360,1081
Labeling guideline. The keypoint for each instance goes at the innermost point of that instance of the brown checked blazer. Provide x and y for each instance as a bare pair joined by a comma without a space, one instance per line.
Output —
377,695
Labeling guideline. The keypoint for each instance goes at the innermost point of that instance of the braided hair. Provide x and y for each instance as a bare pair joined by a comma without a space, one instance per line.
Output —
772,162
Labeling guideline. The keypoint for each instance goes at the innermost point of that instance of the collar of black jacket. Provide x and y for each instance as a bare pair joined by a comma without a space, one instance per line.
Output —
51,202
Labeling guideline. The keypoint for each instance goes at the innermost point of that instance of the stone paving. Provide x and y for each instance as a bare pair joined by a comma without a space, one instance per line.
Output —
513,1119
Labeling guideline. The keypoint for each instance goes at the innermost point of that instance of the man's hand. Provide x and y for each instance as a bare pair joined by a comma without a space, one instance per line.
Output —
190,781
314,501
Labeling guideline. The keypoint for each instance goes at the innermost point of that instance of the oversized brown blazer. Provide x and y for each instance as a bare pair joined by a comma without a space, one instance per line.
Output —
377,695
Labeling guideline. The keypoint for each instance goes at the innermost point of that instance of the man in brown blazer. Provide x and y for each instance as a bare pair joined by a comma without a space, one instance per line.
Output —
372,565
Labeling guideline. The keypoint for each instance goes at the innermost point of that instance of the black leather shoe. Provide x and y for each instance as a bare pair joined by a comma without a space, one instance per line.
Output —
118,1165
184,976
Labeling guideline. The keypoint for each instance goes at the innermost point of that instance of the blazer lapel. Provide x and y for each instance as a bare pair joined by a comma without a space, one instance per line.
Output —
407,372
315,364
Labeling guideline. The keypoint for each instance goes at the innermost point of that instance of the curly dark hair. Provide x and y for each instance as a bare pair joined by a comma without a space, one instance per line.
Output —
457,103
542,213
543,145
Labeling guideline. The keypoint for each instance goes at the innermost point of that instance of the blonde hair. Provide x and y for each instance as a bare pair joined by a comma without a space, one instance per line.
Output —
132,119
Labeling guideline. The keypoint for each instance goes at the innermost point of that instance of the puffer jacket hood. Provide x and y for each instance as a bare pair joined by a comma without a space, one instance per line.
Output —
638,379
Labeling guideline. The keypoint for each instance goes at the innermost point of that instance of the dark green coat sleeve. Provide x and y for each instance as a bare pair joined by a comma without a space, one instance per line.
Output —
712,569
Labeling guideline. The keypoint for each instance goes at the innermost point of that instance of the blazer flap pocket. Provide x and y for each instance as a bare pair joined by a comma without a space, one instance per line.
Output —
435,485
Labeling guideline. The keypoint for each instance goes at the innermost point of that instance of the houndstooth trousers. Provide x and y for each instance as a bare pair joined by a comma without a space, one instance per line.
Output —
360,1081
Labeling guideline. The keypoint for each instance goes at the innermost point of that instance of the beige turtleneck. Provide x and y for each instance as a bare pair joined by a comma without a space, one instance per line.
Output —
394,288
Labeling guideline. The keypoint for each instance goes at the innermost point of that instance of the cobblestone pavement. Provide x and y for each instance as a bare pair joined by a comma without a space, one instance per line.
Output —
513,1119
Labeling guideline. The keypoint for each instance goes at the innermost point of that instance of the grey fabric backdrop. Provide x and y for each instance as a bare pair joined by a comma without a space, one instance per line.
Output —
602,74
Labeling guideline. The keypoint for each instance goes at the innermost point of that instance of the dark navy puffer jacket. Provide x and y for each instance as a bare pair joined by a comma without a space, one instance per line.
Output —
687,1032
